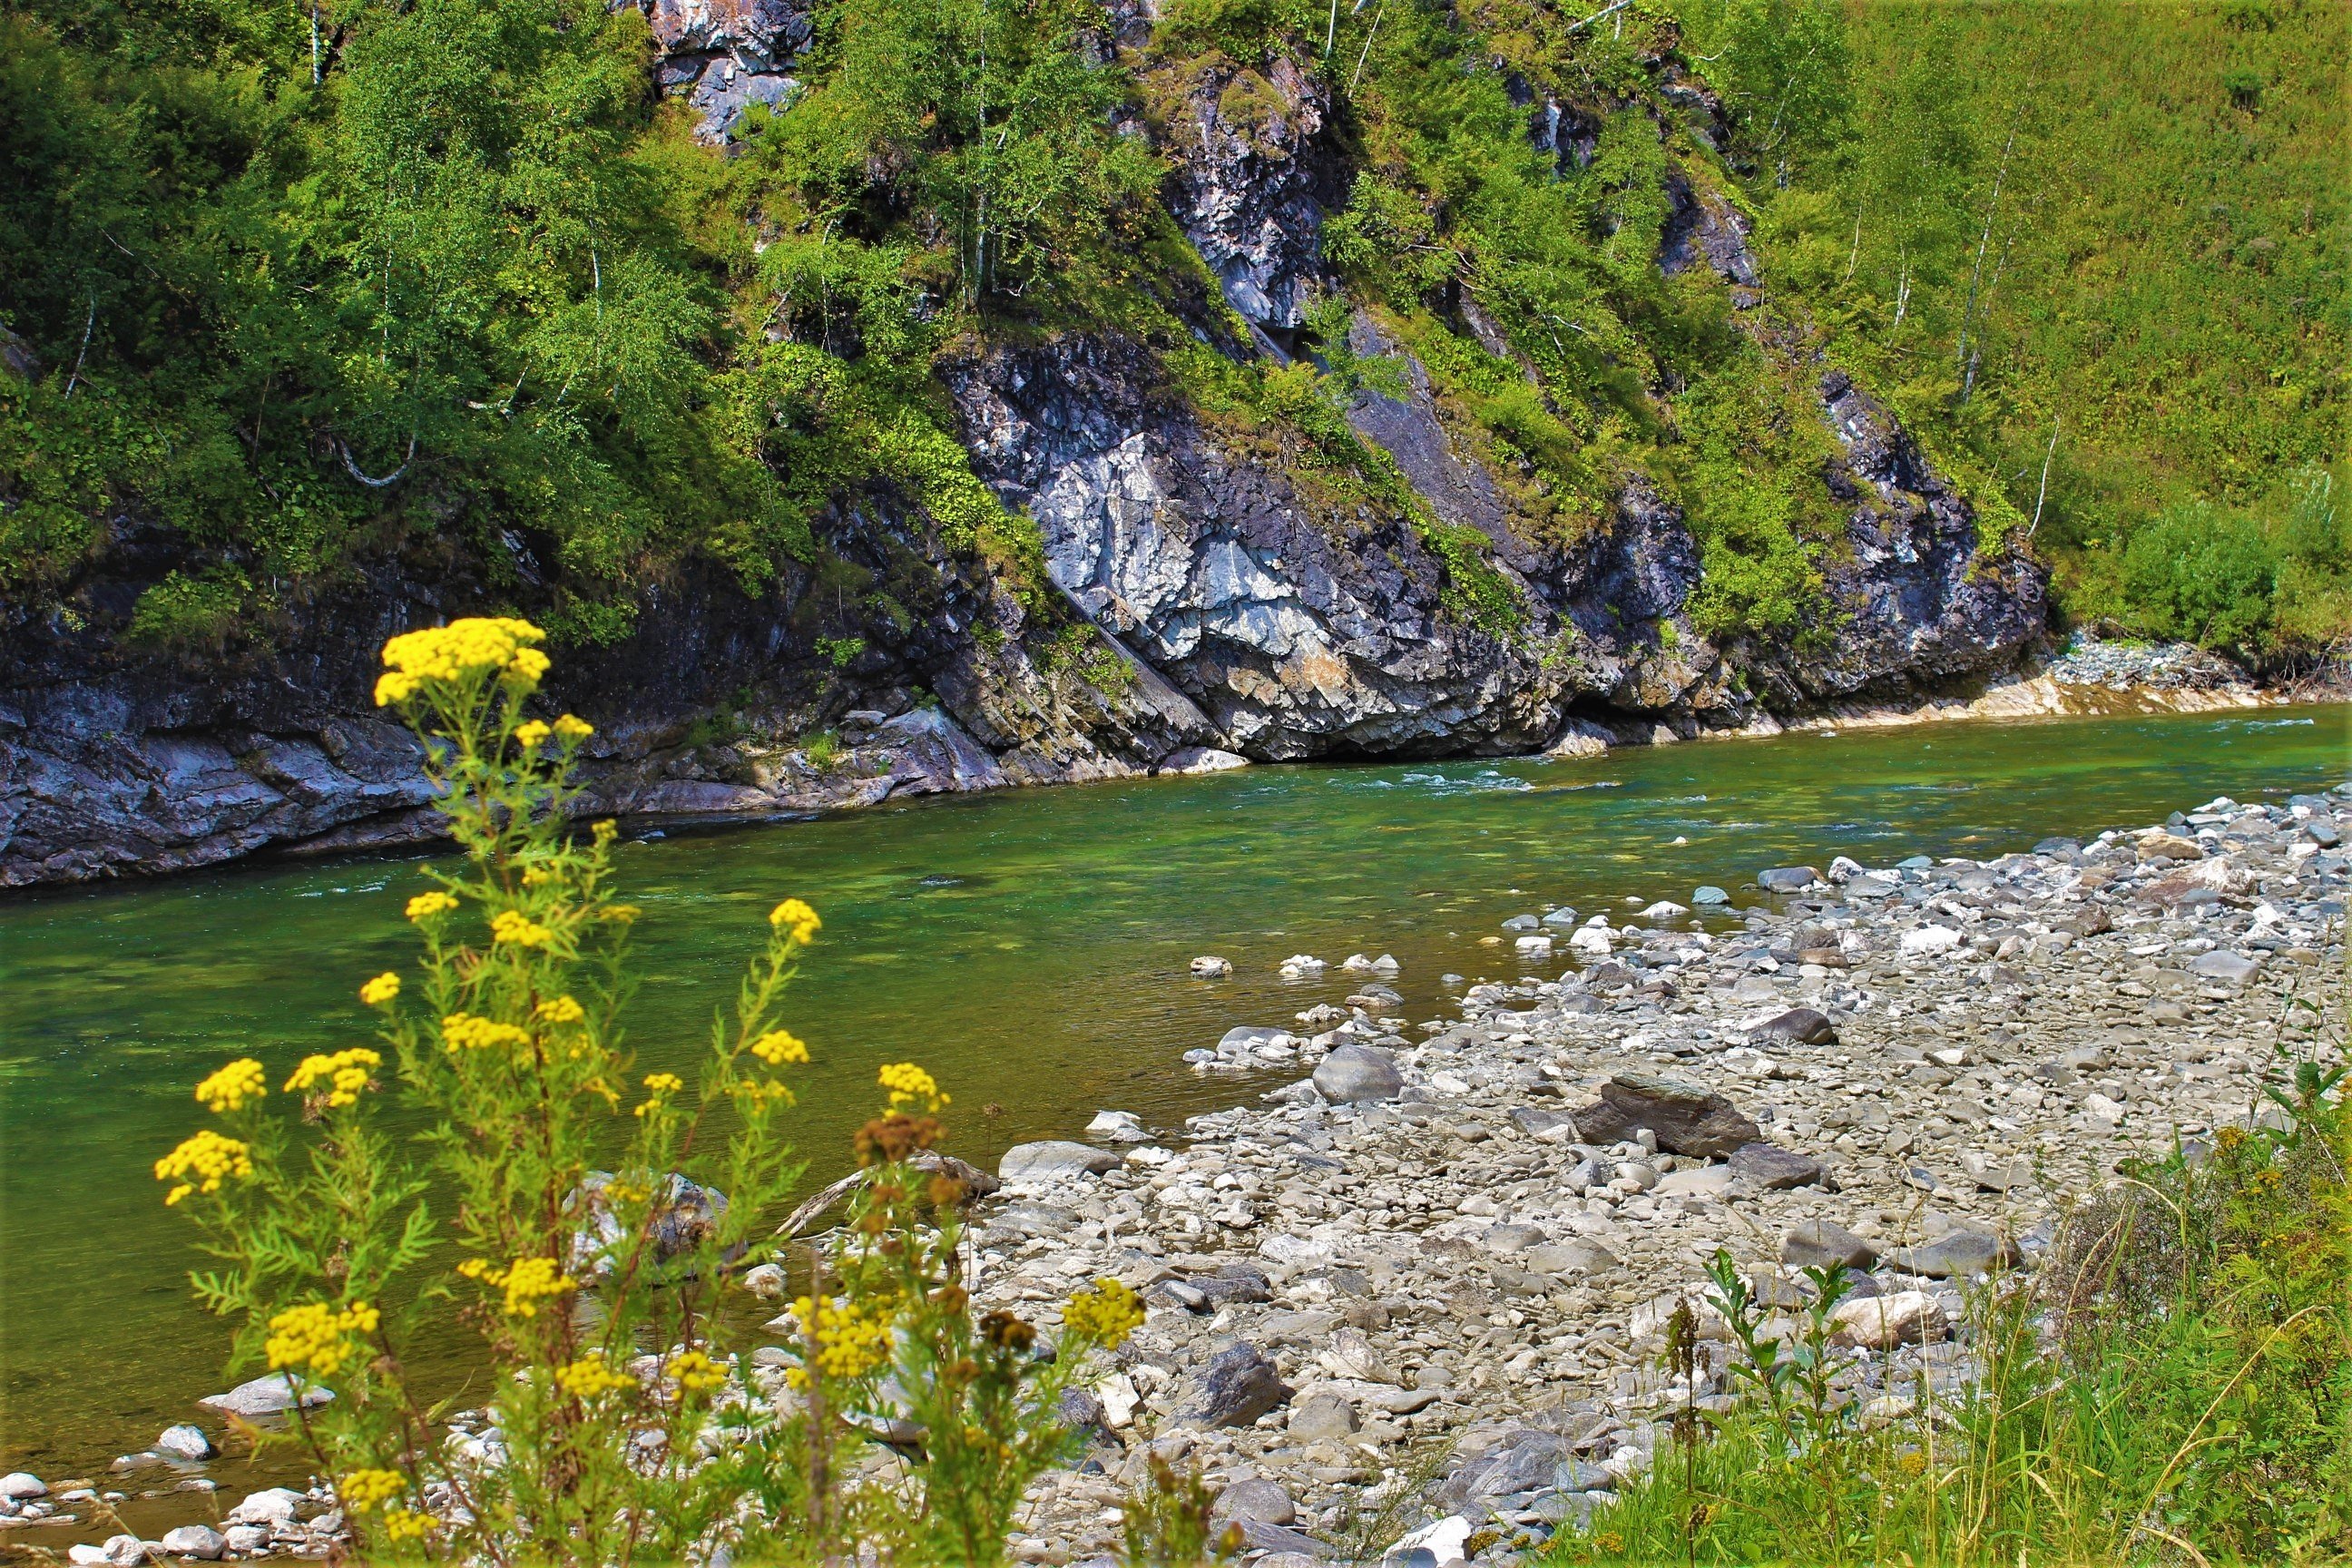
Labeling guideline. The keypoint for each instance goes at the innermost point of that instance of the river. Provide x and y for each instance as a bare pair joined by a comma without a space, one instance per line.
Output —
1028,946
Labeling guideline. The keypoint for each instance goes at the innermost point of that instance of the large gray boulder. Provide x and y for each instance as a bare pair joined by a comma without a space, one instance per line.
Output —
1819,1243
1686,1118
1961,1253
1355,1072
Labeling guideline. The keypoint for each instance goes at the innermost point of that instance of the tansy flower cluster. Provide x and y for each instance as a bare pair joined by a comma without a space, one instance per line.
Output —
381,990
519,929
1105,1314
797,919
202,1162
591,1375
459,651
232,1086
465,1032
362,1490
345,1074
559,1010
659,1087
425,906
526,1281
850,1340
908,1083
695,1372
316,1337
533,733
778,1047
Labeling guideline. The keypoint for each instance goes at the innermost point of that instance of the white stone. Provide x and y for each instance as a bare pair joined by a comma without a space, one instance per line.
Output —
1118,1126
184,1442
1119,1399
1444,1540
273,1509
194,1540
765,1280
18,1485
1209,966
1664,909
1928,941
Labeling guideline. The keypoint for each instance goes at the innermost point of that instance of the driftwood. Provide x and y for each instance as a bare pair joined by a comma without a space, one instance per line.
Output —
977,1184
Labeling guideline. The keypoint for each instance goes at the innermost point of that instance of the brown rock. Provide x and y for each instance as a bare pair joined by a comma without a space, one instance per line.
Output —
1688,1119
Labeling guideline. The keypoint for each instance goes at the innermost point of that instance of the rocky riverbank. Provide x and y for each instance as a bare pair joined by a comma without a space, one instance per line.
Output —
1417,1294
1414,1291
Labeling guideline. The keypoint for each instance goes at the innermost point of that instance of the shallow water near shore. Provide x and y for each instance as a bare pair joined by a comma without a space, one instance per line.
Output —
1029,947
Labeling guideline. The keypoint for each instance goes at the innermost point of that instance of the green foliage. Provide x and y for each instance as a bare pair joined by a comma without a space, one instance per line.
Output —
202,612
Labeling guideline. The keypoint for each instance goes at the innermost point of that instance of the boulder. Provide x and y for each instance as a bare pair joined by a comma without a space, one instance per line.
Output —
1775,1169
1208,966
1930,941
194,1540
273,1509
19,1486
1356,1072
1788,879
1708,896
1053,1160
1883,1322
1323,1415
1119,1127
1236,1387
1686,1118
184,1442
1819,1244
1256,1500
2221,964
1570,1259
1799,1025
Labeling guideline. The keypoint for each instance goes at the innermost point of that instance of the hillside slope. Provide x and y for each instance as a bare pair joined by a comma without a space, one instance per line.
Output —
875,401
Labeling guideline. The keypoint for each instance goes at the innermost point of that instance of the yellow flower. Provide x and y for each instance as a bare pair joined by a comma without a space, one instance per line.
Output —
207,1157
695,1372
530,734
559,1010
570,727
590,1376
362,1490
345,1074
851,1339
381,990
232,1085
752,1091
909,1083
778,1047
526,1281
316,1337
425,906
797,918
660,1086
463,1031
406,1524
605,832
459,652
1105,1315
519,929
624,913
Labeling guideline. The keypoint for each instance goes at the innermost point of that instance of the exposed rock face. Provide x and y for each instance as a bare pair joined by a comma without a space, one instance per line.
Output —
724,55
1253,175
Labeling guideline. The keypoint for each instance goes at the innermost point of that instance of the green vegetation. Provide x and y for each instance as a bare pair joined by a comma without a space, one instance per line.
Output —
2173,1387
298,292
498,1169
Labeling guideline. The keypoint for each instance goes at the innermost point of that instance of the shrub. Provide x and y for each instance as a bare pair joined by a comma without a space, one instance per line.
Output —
2202,575
596,1214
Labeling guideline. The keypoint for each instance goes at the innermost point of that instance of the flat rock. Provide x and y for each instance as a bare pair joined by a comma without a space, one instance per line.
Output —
1775,1169
1799,1025
1355,1073
1701,1181
272,1396
1686,1118
1322,1416
1819,1243
21,1486
1570,1259
1707,895
2222,965
1788,879
1960,1254
1052,1158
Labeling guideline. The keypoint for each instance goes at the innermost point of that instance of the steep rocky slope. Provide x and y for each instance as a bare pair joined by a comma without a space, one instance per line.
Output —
1201,602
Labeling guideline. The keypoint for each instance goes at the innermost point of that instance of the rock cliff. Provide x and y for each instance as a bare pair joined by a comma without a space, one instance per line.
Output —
1202,603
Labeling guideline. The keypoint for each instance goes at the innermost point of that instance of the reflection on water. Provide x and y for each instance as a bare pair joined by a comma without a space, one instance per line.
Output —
1029,947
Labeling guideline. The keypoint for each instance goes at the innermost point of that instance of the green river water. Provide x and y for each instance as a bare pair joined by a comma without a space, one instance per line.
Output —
1028,946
